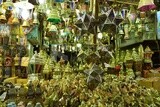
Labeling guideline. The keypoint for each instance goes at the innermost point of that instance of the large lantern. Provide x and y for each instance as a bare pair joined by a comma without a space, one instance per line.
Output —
26,11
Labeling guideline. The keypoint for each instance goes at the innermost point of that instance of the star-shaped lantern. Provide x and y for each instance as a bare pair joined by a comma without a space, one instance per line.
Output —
86,23
94,73
82,54
109,19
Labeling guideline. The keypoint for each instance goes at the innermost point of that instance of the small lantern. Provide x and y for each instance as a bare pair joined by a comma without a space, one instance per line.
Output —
37,62
2,16
148,55
15,19
41,6
54,16
147,58
46,70
25,16
146,5
16,61
35,15
128,60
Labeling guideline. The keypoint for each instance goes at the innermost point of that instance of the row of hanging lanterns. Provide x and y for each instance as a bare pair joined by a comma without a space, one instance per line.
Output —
26,11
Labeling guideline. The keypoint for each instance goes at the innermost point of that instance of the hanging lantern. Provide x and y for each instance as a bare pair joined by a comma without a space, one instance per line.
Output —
15,19
8,4
72,5
54,16
146,5
35,20
42,5
25,16
24,4
33,36
2,16
25,7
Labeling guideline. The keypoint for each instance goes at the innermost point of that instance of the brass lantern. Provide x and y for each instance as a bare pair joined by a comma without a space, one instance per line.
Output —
15,18
2,16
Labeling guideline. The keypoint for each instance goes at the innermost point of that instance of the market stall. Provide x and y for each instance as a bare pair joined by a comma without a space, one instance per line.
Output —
70,53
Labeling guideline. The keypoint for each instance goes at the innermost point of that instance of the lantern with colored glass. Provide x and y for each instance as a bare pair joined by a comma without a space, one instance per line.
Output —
146,5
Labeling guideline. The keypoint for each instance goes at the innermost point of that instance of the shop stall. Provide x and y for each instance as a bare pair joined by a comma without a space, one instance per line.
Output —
79,53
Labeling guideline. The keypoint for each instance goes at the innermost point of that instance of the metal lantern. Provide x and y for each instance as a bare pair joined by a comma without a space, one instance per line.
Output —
25,16
54,16
146,5
33,36
15,17
25,8
2,16
35,16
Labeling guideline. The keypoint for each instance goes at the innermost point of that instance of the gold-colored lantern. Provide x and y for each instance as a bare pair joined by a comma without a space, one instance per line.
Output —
15,18
2,16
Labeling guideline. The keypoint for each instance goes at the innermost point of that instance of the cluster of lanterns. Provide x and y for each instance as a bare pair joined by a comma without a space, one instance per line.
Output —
22,10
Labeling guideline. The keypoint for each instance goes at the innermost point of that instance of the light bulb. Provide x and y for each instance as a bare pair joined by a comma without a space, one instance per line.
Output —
41,1
25,14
